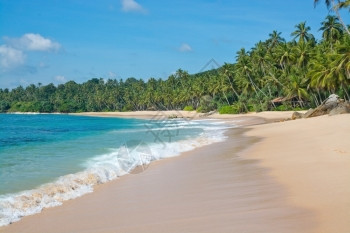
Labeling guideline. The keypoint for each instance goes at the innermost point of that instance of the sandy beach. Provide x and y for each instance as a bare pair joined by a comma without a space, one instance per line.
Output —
281,176
311,158
264,116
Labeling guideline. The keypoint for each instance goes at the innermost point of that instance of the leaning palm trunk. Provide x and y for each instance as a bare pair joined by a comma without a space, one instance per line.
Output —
316,100
223,92
346,92
319,95
235,92
260,91
254,87
336,10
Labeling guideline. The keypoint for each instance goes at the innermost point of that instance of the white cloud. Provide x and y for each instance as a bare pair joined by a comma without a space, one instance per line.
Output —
10,57
60,78
185,48
33,42
132,6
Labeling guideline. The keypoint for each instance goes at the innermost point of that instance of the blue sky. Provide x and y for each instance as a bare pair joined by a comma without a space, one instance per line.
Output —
53,41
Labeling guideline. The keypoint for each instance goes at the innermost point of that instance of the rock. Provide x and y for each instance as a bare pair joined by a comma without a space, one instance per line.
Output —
297,115
332,100
317,112
332,106
326,107
342,108
308,113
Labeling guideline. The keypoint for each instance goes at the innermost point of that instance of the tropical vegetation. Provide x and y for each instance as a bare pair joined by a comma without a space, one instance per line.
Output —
301,73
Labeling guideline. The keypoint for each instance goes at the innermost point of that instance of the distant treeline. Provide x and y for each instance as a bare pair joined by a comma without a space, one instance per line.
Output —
304,70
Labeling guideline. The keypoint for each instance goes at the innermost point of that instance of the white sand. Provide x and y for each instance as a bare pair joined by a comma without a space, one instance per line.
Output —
311,158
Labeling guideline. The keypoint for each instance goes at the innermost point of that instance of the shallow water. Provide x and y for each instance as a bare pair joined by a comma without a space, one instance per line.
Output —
46,159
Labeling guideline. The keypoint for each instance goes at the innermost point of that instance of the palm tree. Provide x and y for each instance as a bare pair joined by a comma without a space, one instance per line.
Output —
228,72
302,53
244,72
332,29
274,39
302,32
335,5
345,4
320,73
259,57
297,87
286,56
341,65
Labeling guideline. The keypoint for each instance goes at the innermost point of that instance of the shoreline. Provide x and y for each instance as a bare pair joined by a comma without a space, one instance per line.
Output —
268,116
102,169
211,188
296,179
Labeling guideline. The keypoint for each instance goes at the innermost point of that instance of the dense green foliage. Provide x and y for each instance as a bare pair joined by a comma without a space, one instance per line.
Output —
188,108
227,109
304,71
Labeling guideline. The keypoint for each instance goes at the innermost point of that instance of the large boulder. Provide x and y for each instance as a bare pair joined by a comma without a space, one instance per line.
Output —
341,108
325,108
333,105
331,101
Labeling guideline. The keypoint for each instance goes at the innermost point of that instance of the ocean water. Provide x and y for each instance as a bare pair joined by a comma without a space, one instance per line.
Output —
46,159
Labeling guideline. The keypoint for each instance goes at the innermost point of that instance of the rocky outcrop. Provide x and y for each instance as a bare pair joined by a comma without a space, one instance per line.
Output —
341,108
297,115
333,105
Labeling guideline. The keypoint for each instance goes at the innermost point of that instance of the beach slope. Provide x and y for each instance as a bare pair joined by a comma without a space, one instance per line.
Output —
311,158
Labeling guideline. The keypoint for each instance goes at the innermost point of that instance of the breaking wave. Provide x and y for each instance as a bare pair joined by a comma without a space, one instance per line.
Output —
101,169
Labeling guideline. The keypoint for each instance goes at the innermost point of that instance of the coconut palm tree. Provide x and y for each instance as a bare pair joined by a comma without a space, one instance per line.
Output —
332,29
286,56
320,74
302,32
341,65
274,39
345,4
245,74
302,53
228,72
331,72
259,57
335,5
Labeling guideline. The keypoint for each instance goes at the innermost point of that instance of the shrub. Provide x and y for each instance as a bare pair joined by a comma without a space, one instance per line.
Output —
227,109
251,108
188,108
200,109
240,107
282,108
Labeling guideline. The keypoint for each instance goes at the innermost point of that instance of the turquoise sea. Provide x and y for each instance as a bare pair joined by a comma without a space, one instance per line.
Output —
46,159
